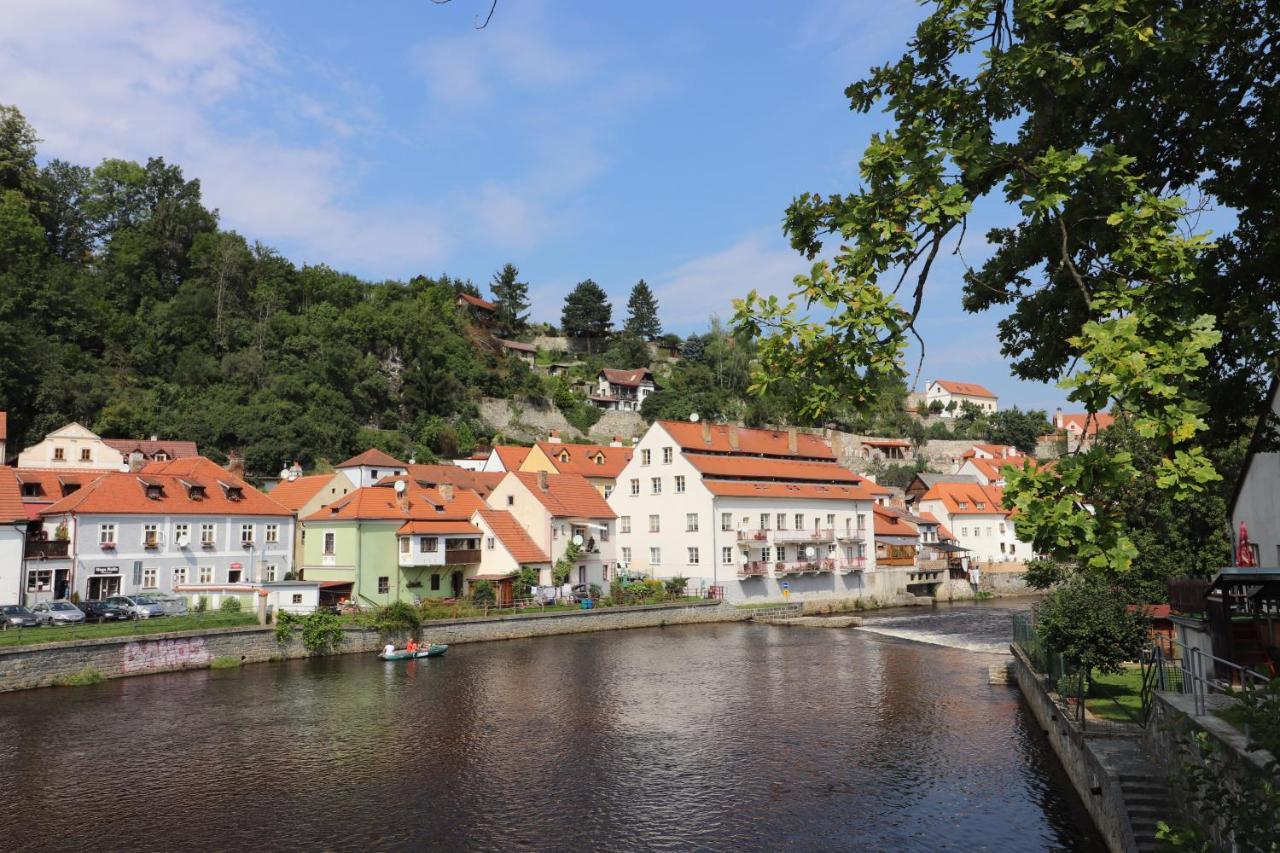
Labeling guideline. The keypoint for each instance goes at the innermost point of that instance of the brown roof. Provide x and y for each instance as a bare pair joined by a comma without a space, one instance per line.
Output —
968,389
581,458
372,456
892,523
125,493
295,494
819,491
438,527
755,468
566,495
751,442
516,345
380,503
513,537
480,482
627,377
970,494
148,448
477,302
512,455
11,508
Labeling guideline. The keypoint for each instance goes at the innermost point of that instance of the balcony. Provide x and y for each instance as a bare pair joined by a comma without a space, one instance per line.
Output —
845,565
852,535
753,535
461,556
816,535
754,569
800,567
38,550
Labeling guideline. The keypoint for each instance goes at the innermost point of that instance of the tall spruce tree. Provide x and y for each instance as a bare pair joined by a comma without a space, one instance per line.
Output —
642,312
511,301
587,313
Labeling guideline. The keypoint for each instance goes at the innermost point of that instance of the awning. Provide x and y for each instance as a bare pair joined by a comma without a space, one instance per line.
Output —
507,576
897,540
334,584
947,546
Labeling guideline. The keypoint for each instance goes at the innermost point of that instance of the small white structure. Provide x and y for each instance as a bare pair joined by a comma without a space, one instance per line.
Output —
975,514
953,396
367,468
13,520
623,390
299,597
1257,497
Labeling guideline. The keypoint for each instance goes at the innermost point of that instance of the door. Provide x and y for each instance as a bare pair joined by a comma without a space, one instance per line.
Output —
104,587
60,583
455,584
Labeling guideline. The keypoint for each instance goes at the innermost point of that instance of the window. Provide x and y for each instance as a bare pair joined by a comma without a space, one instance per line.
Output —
679,484
644,457
150,535
608,490
626,555
655,556
150,578
384,585
179,575
329,542
635,487
624,524
511,500
691,522
489,543
862,521
297,598
40,580
655,525
374,472
693,556
428,544
800,521
404,544
161,457
435,582
988,531
206,534
86,455
181,534
766,554
273,533
666,456
962,504
964,531
831,520
246,533
782,521
655,485
233,576
764,521
1002,529
59,454
106,534
726,521
269,572
726,555
205,574
981,505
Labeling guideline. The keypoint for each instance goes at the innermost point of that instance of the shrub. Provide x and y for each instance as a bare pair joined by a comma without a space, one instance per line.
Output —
201,605
676,585
398,617
225,662
83,678
1073,685
595,590
230,604
482,592
1088,623
321,632
528,577
285,621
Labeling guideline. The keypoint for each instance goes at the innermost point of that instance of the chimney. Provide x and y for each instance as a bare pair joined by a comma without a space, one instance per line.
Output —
706,432
793,440
733,437
296,467
543,482
617,441
446,492
1057,418
402,499
137,461
837,445
155,438
235,464
555,437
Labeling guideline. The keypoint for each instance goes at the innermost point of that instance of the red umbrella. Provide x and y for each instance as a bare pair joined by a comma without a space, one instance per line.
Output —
1244,551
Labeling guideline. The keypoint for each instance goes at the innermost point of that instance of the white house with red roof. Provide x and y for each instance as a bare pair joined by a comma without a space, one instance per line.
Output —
986,463
599,463
75,447
366,469
505,457
13,524
975,514
753,513
623,390
952,396
1081,428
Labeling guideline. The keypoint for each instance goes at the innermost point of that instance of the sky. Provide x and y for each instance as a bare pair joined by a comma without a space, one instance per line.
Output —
659,140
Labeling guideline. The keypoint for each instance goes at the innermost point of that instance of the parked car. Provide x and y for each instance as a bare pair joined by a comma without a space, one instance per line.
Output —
61,612
102,611
173,605
17,616
581,593
139,606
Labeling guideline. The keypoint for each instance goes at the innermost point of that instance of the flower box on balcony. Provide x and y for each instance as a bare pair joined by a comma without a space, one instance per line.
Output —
246,543
208,546
108,546
151,546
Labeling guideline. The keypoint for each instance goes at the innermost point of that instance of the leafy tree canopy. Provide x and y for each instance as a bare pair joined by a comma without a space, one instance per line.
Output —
1017,428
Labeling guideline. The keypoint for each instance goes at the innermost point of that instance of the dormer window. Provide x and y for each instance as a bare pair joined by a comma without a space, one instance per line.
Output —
963,504
154,492
599,460
982,506
68,488
564,456
161,457
31,490
197,493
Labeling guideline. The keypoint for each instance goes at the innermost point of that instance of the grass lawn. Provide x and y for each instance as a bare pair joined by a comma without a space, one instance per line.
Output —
1117,697
88,631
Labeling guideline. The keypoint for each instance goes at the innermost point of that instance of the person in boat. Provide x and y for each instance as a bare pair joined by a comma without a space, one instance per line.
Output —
413,645
390,649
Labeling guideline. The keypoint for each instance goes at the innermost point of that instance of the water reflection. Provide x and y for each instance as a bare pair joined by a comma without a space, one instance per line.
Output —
726,737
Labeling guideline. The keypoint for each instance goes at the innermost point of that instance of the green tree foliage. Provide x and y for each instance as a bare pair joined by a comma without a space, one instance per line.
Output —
898,474
587,313
510,302
627,351
1017,428
1086,622
642,313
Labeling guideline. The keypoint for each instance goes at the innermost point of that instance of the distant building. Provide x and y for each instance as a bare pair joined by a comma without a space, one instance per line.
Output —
505,457
953,396
481,310
922,483
1081,425
623,390
527,353
368,468
599,463
304,496
986,462
976,515
74,447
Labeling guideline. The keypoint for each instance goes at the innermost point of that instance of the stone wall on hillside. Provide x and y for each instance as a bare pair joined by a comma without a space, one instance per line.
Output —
518,421
625,425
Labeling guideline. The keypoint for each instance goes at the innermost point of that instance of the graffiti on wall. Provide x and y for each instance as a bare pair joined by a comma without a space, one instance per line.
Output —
164,654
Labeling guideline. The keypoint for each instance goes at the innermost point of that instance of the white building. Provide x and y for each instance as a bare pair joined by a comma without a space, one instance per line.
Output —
623,390
369,467
751,512
952,396
74,447
187,528
1256,501
505,457
13,525
986,463
975,515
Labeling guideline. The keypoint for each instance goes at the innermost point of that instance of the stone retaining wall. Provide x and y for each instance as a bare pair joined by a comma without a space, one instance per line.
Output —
118,657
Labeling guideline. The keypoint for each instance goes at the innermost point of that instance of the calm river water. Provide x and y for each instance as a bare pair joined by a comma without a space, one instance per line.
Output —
719,737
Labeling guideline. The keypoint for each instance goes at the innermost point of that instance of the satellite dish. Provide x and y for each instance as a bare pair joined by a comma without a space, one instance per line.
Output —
399,487
809,552
577,539
693,419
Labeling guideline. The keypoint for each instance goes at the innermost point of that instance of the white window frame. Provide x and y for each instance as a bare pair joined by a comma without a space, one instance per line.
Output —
694,557
726,521
690,522
106,534
151,534
645,456
246,533
635,486
330,544
272,535
207,533
667,455
205,573
655,485
179,575
679,484
726,555
655,556
655,523
624,524
150,577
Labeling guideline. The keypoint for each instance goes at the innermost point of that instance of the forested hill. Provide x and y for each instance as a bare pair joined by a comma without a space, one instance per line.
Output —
124,306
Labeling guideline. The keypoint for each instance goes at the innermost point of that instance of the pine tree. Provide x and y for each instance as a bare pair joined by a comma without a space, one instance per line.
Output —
642,312
510,300
587,312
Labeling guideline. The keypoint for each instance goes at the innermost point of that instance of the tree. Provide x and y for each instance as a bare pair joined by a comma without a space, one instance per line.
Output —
587,312
627,351
1090,626
510,302
642,313
1017,428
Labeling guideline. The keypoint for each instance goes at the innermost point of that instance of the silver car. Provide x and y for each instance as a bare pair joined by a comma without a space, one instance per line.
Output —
60,612
173,605
139,606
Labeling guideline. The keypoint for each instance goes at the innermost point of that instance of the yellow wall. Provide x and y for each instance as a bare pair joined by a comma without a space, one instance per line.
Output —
538,461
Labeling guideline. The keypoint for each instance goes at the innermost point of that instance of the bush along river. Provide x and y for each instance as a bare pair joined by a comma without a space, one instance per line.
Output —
732,736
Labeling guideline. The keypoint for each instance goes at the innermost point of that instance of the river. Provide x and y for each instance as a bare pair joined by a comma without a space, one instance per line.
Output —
716,737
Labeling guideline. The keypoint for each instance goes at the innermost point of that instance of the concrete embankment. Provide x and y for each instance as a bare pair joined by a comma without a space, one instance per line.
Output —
118,657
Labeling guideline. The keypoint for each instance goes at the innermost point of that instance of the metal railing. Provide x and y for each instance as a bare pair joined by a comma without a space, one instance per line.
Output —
45,550
1192,671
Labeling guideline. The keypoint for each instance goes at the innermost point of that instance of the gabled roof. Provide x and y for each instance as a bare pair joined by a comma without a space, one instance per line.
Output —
381,503
370,457
295,494
566,495
50,486
480,482
952,495
1081,421
715,438
11,508
627,377
175,449
810,491
930,479
512,536
516,345
999,451
892,523
125,493
512,456
966,389
992,469
582,458
756,468
477,302
438,528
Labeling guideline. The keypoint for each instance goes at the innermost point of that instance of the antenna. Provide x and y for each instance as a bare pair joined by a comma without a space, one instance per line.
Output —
399,487
693,419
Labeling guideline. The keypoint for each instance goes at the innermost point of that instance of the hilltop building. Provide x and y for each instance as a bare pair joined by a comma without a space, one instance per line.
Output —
952,396
623,390
76,448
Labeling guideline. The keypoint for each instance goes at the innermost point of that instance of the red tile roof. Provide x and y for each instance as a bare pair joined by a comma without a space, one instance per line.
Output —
1100,421
516,345
53,486
11,508
888,523
438,527
627,377
513,537
124,493
756,468
752,442
581,459
967,389
380,503
371,457
992,469
477,302
295,494
480,482
512,456
812,491
970,494
149,448
1000,451
566,495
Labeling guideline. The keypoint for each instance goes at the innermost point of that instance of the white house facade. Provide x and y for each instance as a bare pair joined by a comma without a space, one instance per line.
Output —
623,390
975,515
952,396
1257,497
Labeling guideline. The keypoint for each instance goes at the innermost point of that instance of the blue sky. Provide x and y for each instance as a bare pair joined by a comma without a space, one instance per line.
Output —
614,141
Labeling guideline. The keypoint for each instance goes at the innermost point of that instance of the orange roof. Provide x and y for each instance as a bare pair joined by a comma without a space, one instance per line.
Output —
516,345
818,491
1100,422
751,442
512,456
627,377
971,495
125,493
372,456
889,523
991,468
566,495
1000,451
967,389
150,447
437,527
380,503
755,468
50,486
11,508
876,488
512,536
4,427
929,517
295,494
480,482
477,302
582,458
